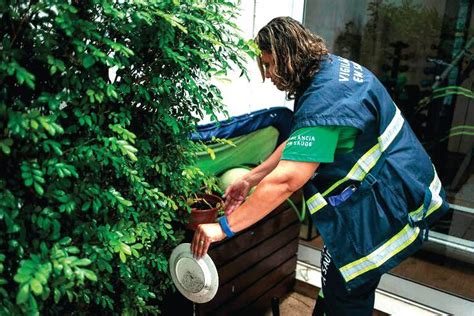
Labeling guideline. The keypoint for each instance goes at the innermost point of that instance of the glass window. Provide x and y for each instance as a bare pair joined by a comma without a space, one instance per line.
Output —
423,52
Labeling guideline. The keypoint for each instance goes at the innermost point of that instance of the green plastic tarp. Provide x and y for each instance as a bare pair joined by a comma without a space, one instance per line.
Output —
249,150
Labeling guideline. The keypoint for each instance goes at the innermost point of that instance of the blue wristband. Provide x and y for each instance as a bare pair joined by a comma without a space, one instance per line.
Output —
225,226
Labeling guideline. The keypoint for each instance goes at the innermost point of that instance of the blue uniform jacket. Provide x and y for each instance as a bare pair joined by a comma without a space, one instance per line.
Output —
398,193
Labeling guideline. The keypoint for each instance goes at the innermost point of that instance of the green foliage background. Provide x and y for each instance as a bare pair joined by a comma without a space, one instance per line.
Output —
93,170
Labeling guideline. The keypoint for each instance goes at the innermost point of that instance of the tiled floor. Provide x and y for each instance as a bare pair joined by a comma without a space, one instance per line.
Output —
298,304
295,304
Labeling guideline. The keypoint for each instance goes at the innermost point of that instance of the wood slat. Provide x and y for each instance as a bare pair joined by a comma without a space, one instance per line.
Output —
241,282
259,288
226,252
263,303
254,255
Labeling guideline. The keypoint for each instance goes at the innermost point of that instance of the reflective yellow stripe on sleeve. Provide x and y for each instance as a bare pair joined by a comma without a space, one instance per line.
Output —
392,130
436,200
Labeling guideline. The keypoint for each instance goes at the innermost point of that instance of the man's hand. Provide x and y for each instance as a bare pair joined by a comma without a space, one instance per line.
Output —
235,195
204,235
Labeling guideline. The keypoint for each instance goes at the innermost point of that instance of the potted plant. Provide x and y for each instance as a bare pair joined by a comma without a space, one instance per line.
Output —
204,209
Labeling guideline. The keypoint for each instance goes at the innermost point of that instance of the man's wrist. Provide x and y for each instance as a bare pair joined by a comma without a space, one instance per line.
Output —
222,233
253,178
225,226
249,178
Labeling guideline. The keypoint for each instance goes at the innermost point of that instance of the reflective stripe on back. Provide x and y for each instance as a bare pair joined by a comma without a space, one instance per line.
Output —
370,158
383,253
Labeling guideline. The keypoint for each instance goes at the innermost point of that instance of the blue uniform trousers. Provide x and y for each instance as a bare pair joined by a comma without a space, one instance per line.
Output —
336,300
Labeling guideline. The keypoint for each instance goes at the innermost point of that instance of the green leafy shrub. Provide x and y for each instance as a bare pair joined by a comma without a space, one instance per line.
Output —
94,166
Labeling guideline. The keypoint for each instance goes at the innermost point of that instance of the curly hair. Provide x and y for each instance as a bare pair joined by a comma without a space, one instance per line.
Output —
296,51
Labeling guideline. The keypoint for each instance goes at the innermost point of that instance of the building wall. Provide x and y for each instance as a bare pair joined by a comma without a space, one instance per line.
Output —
240,95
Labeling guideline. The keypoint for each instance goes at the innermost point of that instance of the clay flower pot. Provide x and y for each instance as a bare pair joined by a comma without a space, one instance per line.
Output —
204,210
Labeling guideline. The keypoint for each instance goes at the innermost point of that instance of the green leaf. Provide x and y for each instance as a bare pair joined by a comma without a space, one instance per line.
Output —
53,69
122,256
90,275
23,294
83,262
22,75
39,179
47,126
6,149
38,188
65,241
41,277
73,250
132,156
135,253
125,202
36,286
34,124
22,278
70,296
57,296
125,249
26,269
111,92
88,61
86,206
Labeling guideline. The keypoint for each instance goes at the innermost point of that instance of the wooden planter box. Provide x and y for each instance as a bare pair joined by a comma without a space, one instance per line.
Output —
254,266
